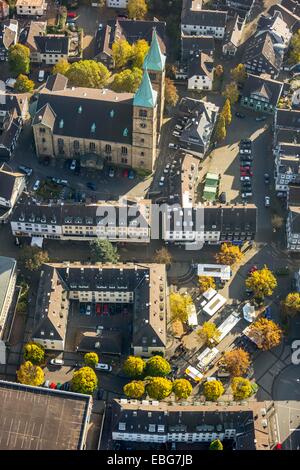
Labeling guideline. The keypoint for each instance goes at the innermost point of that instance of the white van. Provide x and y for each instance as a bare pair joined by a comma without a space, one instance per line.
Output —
41,76
104,367
57,362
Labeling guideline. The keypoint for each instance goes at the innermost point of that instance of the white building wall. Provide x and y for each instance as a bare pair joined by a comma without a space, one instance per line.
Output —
56,345
31,10
200,82
199,30
116,3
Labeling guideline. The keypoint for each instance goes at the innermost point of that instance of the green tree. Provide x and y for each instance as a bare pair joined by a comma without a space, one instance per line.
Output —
171,94
220,129
182,388
163,256
84,380
239,73
213,389
19,59
127,81
262,282
226,112
231,92
265,333
157,366
229,254
139,51
34,353
206,282
294,56
291,304
208,331
241,388
121,52
219,71
24,84
216,445
104,251
237,361
179,306
62,66
91,359
134,366
137,9
88,73
30,374
33,257
159,388
135,389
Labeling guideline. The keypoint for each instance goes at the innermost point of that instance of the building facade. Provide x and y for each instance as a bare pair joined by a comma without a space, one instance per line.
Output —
31,7
293,229
201,72
261,94
46,48
12,184
117,3
199,22
8,276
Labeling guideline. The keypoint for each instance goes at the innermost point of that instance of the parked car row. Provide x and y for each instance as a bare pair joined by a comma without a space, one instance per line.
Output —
246,159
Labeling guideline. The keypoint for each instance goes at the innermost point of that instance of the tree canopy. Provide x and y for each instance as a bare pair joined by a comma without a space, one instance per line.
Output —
62,66
239,73
163,256
226,112
121,52
135,389
134,366
294,56
182,388
139,51
88,73
179,306
171,93
91,359
19,59
237,361
24,84
84,380
231,92
157,366
265,333
208,331
30,374
137,9
216,445
220,129
104,251
127,81
159,388
33,257
213,389
241,388
206,282
291,304
219,70
262,282
34,353
229,254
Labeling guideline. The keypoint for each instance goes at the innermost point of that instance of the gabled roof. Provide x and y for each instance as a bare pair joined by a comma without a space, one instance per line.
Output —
7,181
45,116
56,82
202,65
270,89
52,44
262,46
145,96
154,60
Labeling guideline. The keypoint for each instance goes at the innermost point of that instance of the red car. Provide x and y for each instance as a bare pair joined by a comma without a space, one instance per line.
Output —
246,173
105,309
253,269
52,385
125,173
71,14
245,168
98,309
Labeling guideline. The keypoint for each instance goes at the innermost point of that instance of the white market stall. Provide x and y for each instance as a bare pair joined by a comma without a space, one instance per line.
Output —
192,315
209,293
220,271
205,358
214,305
227,325
194,373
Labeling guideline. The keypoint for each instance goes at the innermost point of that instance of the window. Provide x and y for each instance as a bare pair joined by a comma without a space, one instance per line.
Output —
108,148
92,146
142,113
124,150
142,154
152,76
143,125
42,130
76,144
60,142
142,141
43,139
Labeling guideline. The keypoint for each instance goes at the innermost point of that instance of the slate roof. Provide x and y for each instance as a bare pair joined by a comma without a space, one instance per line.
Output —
201,65
105,115
291,5
36,28
291,19
52,44
110,342
57,82
288,119
262,46
294,194
8,33
202,17
133,30
7,181
294,219
196,44
270,89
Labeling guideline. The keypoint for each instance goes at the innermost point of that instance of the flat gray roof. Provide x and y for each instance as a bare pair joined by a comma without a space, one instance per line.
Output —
36,418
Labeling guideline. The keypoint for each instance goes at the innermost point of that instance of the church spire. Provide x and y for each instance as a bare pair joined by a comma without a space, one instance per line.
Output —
154,60
145,96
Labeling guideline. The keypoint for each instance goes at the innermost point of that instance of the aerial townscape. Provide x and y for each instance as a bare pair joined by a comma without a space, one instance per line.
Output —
150,225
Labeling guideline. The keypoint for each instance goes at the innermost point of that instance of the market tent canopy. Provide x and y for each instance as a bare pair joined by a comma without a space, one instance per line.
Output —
37,241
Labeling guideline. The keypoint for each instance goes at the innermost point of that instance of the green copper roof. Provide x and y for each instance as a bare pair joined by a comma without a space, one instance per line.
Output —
154,60
145,96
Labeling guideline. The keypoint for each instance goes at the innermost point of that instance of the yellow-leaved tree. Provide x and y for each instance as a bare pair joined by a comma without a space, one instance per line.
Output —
262,282
179,306
229,254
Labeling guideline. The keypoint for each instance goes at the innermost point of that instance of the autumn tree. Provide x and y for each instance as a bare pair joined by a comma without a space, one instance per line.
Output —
266,334
121,52
182,388
205,283
294,56
262,282
30,374
171,94
104,251
229,254
231,92
84,380
139,51
216,445
226,112
91,359
208,331
137,9
127,81
19,59
241,388
34,353
220,129
24,84
163,256
179,306
88,73
219,71
33,257
291,304
62,67
135,389
157,366
134,366
239,73
213,389
237,362
159,388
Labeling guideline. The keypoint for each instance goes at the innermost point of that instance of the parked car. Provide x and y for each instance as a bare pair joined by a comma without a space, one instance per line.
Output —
240,115
173,146
100,392
103,367
247,143
178,127
260,118
105,309
131,175
25,169
267,201
222,197
162,181
41,76
245,178
111,172
176,134
57,362
98,309
10,83
36,185
267,313
53,385
252,269
245,151
267,178
246,163
88,309
167,168
82,308
246,173
73,165
71,14
125,173
47,383
246,195
246,158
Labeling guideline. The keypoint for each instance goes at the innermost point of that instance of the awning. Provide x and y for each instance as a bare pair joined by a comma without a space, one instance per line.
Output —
37,241
249,312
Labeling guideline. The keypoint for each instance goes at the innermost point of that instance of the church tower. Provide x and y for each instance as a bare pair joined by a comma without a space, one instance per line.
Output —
155,64
144,134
